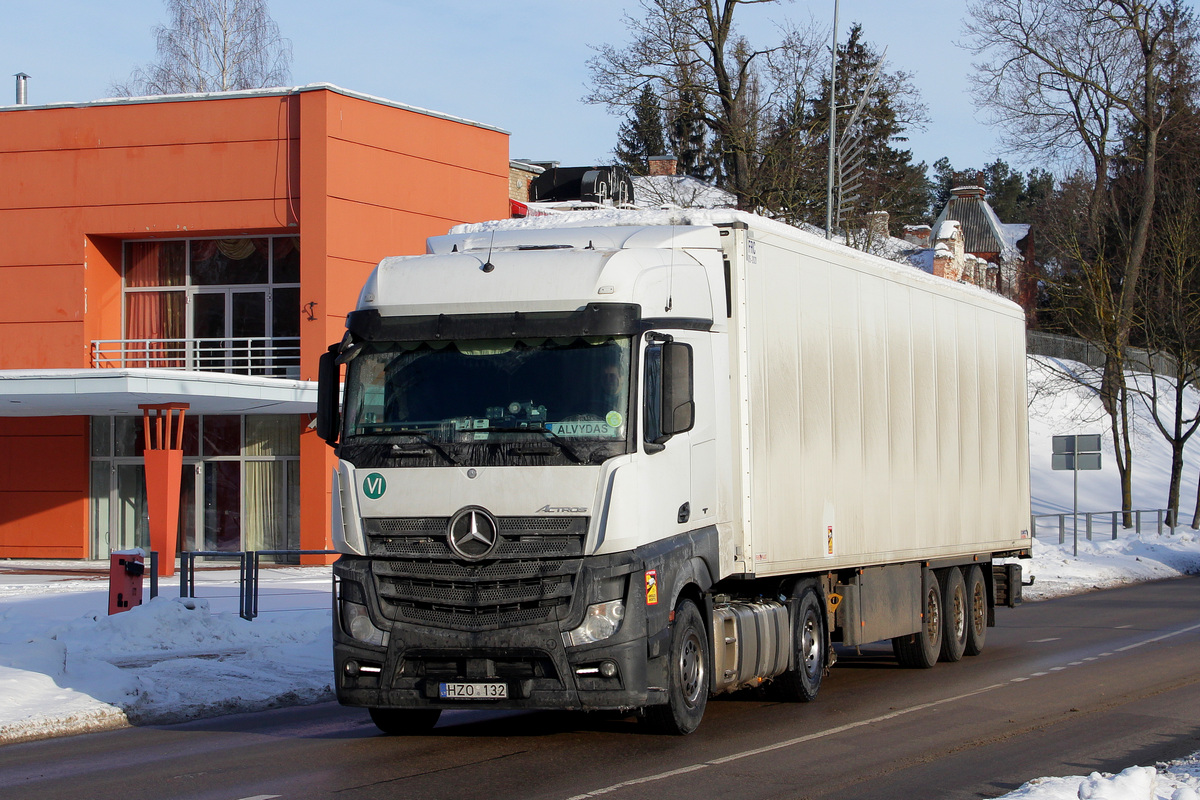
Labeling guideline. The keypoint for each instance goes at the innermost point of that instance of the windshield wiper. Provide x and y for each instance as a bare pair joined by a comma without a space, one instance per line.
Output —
551,436
426,437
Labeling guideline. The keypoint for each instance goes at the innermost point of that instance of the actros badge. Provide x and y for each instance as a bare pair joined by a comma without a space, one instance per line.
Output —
473,533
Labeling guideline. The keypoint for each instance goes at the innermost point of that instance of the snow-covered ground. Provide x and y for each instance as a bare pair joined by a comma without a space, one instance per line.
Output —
68,667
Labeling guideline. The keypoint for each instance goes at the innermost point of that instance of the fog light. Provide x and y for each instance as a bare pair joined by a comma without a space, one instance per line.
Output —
351,667
608,669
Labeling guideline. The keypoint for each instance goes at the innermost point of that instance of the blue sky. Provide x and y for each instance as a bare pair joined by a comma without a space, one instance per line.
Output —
519,66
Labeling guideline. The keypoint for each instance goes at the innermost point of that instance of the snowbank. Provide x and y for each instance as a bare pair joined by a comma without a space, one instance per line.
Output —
1176,780
171,659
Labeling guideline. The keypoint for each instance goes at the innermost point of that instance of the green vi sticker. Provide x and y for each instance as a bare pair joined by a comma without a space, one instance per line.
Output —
614,419
374,486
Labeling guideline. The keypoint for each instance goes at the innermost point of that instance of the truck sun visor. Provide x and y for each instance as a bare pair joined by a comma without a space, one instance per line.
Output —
594,319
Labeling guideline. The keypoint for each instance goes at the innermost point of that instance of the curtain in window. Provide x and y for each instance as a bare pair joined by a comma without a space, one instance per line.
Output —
154,327
273,435
265,524
154,264
268,497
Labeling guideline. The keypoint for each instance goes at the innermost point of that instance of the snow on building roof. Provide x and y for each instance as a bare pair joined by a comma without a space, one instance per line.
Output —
947,227
275,91
983,232
682,191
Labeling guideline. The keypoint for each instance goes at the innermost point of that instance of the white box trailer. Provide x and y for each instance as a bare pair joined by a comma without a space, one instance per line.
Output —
624,462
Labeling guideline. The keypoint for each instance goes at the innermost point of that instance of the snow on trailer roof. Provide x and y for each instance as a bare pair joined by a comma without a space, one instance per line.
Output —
684,217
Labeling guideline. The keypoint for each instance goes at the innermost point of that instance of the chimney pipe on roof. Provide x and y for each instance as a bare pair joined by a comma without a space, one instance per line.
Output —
22,89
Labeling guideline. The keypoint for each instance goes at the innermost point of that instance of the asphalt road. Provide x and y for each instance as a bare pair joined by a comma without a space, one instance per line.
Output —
1099,681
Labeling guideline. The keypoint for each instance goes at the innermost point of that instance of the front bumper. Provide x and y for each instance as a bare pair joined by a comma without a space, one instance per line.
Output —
539,670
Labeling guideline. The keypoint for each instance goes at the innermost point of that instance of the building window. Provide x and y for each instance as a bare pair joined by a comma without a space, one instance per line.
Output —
240,487
219,305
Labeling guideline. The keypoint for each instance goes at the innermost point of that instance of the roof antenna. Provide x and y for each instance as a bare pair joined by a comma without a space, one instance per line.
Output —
671,272
488,266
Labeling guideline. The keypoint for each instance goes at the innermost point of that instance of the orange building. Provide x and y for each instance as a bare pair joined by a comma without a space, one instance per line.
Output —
205,250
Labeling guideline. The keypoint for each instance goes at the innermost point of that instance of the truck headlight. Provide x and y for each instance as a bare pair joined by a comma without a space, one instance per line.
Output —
357,623
601,621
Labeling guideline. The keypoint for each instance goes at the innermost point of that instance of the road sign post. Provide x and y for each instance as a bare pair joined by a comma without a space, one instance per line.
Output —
1076,452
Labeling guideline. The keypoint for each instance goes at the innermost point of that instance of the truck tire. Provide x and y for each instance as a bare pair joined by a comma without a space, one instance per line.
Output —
956,612
810,649
687,675
405,721
920,650
977,607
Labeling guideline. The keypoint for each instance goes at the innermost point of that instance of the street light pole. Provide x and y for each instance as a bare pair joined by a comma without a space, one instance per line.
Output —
832,126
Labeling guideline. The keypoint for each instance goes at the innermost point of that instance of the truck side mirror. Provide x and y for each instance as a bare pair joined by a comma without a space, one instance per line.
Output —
670,406
678,402
328,395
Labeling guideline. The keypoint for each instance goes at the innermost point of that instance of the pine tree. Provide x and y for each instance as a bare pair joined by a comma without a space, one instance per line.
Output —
889,180
642,134
689,138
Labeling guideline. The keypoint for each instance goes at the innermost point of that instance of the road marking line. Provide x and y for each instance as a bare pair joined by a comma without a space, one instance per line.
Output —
261,797
780,745
829,731
1043,641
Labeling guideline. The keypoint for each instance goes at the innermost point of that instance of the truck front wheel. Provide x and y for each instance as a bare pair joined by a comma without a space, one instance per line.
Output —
687,675
405,721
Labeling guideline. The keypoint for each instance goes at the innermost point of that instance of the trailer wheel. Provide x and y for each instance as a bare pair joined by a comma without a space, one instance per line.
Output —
687,675
956,611
405,721
803,681
977,605
920,650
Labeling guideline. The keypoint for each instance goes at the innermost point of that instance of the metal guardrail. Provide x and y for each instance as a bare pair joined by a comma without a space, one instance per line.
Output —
272,356
252,593
1089,516
248,568
187,573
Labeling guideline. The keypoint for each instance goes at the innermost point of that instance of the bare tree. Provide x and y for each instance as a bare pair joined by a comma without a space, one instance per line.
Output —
690,49
1069,77
213,46
1170,296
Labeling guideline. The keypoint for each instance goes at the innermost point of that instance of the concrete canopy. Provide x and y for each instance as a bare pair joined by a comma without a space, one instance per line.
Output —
102,392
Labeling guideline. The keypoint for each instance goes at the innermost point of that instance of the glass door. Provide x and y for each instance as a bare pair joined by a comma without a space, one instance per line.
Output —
230,329
222,505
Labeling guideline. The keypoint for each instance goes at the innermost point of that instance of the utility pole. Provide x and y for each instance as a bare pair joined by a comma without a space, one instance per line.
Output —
832,126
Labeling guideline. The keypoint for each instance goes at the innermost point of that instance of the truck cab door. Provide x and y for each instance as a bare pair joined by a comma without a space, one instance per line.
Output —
676,433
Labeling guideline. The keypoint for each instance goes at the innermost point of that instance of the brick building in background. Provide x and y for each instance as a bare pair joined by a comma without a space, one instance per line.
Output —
200,249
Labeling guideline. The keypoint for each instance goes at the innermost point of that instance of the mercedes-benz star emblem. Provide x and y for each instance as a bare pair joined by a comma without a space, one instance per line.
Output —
473,533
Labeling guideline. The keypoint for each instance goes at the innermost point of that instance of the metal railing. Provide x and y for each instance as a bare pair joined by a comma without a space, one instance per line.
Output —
248,568
1089,518
276,357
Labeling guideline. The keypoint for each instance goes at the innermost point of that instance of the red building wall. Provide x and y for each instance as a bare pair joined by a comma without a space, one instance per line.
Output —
356,179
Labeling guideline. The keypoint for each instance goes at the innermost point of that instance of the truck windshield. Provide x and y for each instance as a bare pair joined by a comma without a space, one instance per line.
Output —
572,392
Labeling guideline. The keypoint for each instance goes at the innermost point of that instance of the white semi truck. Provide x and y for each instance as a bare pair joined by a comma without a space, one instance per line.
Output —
630,463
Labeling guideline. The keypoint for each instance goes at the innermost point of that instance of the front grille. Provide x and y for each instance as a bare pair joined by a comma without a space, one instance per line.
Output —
528,579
